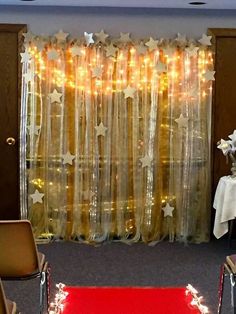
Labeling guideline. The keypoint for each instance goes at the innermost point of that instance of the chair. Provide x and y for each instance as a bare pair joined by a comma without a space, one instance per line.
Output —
6,306
19,257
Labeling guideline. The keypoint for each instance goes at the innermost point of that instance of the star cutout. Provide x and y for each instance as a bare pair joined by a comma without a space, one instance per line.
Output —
52,54
111,50
182,121
160,67
233,137
181,39
224,146
88,38
192,50
55,96
76,51
33,129
25,57
168,210
141,48
61,36
101,37
37,197
205,40
152,44
68,158
146,161
88,194
129,92
124,38
209,75
100,129
97,72
28,36
28,76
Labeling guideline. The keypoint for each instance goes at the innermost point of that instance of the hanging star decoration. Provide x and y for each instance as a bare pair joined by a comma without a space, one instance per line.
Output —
100,129
141,48
146,161
76,51
39,44
101,36
37,197
152,44
224,146
28,77
209,75
124,38
160,67
181,39
28,36
61,36
205,40
111,50
88,38
68,158
129,92
55,96
182,121
97,72
25,57
233,137
52,54
88,194
192,50
168,210
33,129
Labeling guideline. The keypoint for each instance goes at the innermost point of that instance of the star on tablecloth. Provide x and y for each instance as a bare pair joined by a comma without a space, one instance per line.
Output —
55,96
129,91
168,210
182,121
100,129
68,158
146,161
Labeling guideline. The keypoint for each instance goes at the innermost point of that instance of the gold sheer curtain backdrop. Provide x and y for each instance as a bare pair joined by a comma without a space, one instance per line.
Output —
116,137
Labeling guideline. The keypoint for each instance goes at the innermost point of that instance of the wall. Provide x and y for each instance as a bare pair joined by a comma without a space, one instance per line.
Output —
141,23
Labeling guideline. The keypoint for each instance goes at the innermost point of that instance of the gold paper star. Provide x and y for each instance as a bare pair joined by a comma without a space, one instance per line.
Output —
88,38
168,210
182,121
160,67
100,129
55,96
52,54
124,38
68,158
209,75
146,161
101,37
205,40
129,92
97,72
152,44
25,57
37,197
61,36
76,51
192,50
111,50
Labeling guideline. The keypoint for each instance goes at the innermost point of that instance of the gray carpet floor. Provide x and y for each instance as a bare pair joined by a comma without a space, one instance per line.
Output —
116,264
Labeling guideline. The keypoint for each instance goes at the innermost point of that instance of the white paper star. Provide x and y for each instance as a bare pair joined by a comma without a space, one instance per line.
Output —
111,50
146,161
205,40
28,36
233,137
192,50
101,37
224,146
61,36
68,158
124,38
55,96
100,129
129,92
76,51
25,57
152,44
37,197
33,129
52,54
88,194
141,48
182,121
88,38
97,72
168,210
181,39
28,76
209,75
160,67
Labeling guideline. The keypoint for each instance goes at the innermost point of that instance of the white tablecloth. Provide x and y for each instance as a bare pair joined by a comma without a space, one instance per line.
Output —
225,205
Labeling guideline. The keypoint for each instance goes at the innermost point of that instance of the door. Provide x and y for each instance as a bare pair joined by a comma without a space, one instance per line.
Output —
10,73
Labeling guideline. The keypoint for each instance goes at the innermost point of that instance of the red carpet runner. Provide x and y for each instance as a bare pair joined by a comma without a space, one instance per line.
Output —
121,300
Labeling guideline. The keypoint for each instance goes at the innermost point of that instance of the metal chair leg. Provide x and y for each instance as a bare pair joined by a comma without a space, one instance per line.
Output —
42,292
221,288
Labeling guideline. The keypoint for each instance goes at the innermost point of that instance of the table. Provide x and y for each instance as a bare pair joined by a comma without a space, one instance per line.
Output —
225,205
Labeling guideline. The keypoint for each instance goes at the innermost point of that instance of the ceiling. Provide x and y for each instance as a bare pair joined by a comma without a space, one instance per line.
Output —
179,4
